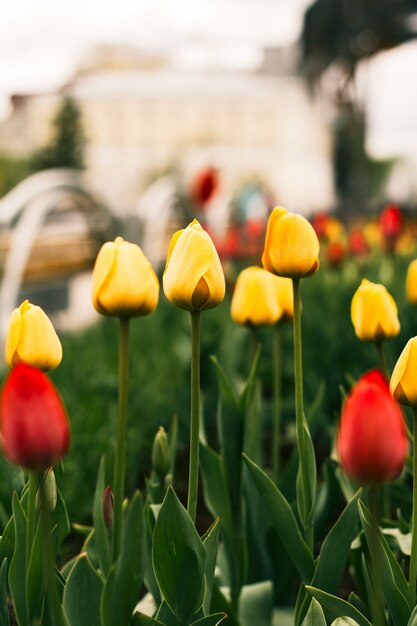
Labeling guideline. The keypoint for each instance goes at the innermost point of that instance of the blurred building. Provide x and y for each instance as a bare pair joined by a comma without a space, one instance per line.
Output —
143,118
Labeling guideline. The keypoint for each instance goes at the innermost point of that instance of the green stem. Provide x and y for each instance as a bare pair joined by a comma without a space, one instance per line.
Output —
120,461
276,426
306,503
377,600
195,415
30,531
253,348
383,358
413,560
49,562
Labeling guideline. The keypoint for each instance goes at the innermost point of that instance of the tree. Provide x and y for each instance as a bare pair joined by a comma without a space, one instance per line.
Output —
67,146
342,33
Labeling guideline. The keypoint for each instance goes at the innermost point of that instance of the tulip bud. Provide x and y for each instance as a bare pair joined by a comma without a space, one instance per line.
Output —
124,282
260,298
161,460
193,278
50,490
403,384
291,245
108,508
33,421
374,312
411,283
32,339
372,441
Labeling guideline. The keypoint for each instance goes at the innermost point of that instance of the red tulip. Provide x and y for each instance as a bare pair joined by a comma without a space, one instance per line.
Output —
204,185
372,441
34,426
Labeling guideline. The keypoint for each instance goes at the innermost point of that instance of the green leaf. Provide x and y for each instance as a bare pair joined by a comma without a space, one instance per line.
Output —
215,490
413,618
211,544
178,559
140,619
315,615
101,535
210,620
334,607
122,587
391,574
60,519
17,571
256,604
82,594
7,541
231,430
344,621
284,521
245,398
336,547
166,616
306,512
36,578
149,575
4,611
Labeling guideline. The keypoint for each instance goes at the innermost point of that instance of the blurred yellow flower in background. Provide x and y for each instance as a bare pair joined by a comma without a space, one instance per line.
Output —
31,339
260,298
374,312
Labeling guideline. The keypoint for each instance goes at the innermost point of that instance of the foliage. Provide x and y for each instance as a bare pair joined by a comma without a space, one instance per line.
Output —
66,148
12,171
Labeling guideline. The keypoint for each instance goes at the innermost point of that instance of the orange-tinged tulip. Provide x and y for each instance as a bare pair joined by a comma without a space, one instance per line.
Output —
193,278
372,441
403,383
260,298
124,282
291,245
32,339
411,283
374,312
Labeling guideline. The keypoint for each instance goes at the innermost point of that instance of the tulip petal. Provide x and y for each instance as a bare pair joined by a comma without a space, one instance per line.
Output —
130,286
13,337
276,214
171,247
189,262
102,268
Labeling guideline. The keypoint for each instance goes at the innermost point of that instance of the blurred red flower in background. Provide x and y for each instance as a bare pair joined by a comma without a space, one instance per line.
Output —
34,426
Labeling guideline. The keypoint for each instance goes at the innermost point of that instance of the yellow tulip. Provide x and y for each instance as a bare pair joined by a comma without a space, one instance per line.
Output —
374,312
411,283
124,282
193,278
31,339
291,245
260,298
403,385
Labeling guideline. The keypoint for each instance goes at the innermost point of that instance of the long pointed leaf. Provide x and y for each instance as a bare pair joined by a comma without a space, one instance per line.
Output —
334,607
284,521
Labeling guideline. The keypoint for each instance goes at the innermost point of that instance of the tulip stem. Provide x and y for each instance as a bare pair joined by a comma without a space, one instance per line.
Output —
120,461
195,416
49,564
413,559
305,505
377,600
276,428
30,530
383,358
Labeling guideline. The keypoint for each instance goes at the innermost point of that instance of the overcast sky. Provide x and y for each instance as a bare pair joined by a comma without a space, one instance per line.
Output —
41,42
